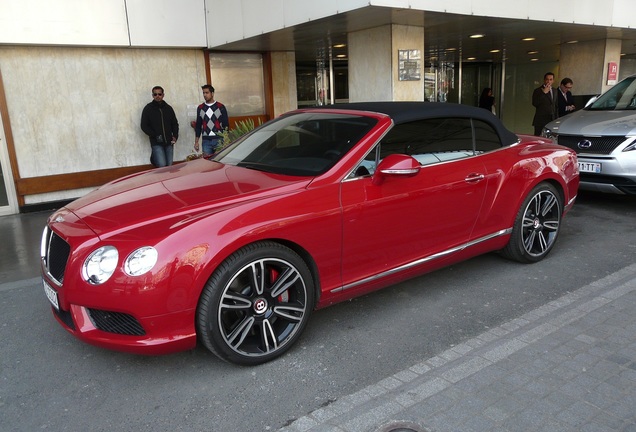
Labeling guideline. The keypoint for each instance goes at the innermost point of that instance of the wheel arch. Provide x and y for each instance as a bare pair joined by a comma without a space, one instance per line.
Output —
307,258
559,187
298,249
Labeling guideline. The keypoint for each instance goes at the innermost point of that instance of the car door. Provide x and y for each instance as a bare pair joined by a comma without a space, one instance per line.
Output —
407,218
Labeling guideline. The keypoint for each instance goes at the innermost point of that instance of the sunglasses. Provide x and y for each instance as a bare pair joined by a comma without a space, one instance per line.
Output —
157,94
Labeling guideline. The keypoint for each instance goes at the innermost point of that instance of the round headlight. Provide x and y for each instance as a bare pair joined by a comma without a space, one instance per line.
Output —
100,265
141,261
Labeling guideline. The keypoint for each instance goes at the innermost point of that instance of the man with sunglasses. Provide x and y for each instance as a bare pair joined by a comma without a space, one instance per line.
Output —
159,122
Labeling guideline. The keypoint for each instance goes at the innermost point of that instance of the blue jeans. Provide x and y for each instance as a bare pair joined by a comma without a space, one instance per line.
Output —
209,145
161,155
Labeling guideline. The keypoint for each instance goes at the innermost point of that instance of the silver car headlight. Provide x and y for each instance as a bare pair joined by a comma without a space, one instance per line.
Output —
630,147
548,133
100,265
141,261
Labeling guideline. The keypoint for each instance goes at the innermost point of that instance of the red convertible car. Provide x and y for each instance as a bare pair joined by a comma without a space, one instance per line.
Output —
312,208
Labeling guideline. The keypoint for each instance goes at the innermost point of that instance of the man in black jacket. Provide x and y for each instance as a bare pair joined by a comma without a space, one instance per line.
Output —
566,101
159,122
544,99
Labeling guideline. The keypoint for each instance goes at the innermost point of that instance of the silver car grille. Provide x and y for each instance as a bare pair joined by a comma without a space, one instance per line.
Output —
56,253
591,145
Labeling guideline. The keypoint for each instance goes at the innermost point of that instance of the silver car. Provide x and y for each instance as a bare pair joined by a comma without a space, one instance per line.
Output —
603,134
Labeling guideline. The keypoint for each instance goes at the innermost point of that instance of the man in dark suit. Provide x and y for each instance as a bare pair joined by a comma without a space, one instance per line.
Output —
544,100
566,101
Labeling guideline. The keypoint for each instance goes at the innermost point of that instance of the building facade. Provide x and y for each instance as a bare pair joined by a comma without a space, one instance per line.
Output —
75,75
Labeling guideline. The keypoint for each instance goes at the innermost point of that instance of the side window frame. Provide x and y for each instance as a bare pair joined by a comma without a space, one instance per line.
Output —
449,146
483,143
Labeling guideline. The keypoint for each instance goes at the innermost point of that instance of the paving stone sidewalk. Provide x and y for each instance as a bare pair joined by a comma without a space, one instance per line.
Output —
569,365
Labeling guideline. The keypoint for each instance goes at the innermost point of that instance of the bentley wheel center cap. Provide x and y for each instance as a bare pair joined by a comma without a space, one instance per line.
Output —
260,305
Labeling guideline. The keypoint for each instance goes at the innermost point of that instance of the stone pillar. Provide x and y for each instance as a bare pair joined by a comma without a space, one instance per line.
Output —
284,82
586,63
374,64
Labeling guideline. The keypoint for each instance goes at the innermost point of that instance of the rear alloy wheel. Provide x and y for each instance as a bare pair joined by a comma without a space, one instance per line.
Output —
256,304
536,226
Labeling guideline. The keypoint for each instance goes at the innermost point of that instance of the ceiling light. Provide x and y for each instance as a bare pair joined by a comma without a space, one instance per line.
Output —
534,59
471,58
451,49
340,45
495,51
572,41
341,55
477,36
533,52
528,39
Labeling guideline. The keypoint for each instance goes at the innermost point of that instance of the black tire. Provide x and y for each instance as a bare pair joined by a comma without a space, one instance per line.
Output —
256,304
536,226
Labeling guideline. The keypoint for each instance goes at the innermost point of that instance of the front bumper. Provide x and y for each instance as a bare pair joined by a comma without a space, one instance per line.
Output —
122,332
617,174
142,316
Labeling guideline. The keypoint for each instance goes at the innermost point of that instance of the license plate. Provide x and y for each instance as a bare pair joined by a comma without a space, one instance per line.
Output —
590,167
51,295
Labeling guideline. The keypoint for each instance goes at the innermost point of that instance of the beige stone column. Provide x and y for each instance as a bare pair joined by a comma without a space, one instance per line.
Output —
586,63
284,82
374,64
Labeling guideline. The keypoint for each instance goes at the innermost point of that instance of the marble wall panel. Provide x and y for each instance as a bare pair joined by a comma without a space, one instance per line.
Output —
370,72
79,109
407,38
284,82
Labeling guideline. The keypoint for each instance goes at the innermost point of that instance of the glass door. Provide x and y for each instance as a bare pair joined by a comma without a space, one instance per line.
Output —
8,201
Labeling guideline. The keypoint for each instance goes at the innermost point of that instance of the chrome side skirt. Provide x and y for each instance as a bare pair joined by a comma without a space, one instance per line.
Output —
420,261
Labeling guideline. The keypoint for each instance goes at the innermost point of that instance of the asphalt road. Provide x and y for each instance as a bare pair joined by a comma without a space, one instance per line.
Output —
51,381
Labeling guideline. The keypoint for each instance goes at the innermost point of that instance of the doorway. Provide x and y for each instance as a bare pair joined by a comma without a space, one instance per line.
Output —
462,83
8,199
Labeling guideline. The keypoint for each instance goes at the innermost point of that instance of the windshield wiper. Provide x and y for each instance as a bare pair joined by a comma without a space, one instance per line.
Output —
255,166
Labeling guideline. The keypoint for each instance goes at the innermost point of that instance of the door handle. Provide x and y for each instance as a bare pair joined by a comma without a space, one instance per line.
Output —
474,178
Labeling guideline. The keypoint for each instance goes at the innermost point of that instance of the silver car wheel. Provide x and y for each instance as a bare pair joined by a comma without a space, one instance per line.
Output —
541,221
536,225
256,304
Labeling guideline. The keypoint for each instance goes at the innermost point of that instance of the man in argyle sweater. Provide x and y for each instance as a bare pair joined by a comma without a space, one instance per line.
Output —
212,119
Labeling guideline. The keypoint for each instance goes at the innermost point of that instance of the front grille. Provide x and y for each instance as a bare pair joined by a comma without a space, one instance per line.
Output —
115,322
56,255
599,145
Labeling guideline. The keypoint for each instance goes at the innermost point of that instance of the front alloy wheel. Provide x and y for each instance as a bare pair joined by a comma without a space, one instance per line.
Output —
256,304
536,226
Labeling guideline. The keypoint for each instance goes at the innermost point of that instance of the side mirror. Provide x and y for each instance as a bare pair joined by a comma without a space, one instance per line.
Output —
396,165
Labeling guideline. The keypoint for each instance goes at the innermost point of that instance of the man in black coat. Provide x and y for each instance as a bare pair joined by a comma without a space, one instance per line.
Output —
544,100
159,122
566,101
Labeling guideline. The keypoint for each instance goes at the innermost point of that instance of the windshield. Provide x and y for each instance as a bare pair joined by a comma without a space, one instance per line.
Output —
620,97
303,144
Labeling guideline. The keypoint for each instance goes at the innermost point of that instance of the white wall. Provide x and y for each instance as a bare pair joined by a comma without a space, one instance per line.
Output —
137,23
210,23
63,22
232,20
166,23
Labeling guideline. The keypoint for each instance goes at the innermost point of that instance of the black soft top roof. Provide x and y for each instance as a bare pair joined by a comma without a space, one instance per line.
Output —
404,112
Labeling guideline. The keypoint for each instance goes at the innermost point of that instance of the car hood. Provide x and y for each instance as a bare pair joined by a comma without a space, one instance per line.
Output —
590,123
188,188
